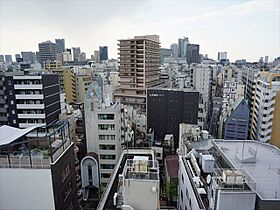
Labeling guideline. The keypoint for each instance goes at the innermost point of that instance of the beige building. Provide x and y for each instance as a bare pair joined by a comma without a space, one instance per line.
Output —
67,83
139,61
82,83
49,65
265,122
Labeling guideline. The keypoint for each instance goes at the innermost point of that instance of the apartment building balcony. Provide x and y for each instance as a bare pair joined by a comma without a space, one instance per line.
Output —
30,106
266,125
268,111
29,87
268,118
31,116
270,103
27,125
265,139
266,132
29,96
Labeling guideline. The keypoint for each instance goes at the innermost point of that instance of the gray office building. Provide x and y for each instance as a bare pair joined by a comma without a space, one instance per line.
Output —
47,51
8,58
76,53
192,53
2,58
182,43
167,108
103,53
61,45
29,57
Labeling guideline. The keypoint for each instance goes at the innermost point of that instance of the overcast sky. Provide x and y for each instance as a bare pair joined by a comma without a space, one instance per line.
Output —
245,29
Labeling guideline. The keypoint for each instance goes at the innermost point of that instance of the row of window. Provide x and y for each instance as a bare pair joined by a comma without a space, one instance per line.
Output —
106,127
107,137
106,116
107,147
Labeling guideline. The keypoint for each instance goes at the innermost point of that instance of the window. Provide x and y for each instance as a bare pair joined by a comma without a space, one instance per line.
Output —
107,166
105,175
106,147
108,157
106,127
106,116
107,137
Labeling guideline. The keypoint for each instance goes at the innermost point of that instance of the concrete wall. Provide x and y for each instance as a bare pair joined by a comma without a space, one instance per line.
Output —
26,189
138,194
236,200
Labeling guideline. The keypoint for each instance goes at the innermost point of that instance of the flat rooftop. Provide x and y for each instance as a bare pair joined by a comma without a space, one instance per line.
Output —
264,168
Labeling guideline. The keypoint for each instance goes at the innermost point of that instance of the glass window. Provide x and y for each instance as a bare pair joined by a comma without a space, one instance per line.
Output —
106,116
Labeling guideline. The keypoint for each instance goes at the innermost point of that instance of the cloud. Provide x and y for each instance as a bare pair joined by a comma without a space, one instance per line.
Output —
244,9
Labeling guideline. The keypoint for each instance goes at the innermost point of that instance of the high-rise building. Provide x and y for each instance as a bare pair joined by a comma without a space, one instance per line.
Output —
8,58
266,109
103,132
47,51
2,58
165,53
97,56
37,173
103,53
32,100
61,45
222,56
67,81
175,50
29,57
192,53
18,58
167,108
83,56
76,51
139,69
266,59
182,43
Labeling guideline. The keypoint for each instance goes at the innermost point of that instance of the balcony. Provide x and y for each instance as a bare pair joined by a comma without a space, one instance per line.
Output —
27,125
30,96
29,87
31,116
30,106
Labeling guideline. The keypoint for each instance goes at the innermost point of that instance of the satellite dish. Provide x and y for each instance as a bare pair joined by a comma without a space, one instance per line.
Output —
208,179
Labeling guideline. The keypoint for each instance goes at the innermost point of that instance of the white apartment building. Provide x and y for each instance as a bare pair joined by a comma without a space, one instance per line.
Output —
103,130
265,121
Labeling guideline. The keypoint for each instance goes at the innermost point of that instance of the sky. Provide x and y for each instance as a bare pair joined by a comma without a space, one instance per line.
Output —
244,29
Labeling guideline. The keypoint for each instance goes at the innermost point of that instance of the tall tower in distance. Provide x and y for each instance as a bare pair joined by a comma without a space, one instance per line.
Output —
103,53
139,61
47,51
61,45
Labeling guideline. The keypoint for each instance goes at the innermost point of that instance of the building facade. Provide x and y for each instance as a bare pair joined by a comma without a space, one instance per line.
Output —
266,109
167,108
103,53
61,45
32,100
103,129
47,51
139,69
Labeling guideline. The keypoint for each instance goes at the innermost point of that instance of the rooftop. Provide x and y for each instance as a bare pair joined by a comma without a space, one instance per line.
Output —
261,161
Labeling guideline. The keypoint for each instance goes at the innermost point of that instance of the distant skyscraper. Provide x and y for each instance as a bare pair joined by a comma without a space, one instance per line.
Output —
103,52
48,51
182,43
192,53
83,56
266,59
175,50
76,53
8,58
222,56
97,56
28,57
18,58
61,45
2,58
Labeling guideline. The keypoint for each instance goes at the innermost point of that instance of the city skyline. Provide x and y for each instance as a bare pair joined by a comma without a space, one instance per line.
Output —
244,29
